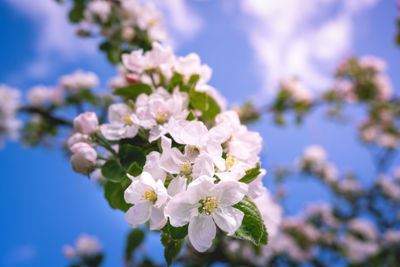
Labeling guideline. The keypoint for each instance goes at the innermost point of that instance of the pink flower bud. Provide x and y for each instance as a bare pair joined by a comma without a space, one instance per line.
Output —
83,158
86,123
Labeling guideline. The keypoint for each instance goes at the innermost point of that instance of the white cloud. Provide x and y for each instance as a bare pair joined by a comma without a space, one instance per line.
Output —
304,38
182,22
56,37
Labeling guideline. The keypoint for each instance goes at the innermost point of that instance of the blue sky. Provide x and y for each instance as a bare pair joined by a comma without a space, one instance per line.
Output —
45,205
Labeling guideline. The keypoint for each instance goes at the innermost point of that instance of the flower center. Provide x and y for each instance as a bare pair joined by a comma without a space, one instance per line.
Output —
186,167
208,205
161,118
150,195
230,161
127,119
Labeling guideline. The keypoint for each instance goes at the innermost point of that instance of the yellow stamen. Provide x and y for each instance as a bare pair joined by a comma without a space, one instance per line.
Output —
186,167
150,195
208,205
127,119
161,118
230,161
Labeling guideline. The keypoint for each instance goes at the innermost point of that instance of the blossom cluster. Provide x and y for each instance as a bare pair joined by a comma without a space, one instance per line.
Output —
87,251
9,105
133,15
185,161
363,79
314,160
293,96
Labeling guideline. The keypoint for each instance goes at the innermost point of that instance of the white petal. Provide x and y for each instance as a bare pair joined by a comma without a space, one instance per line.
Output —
113,131
138,214
202,232
161,193
135,191
152,166
203,165
228,219
177,185
229,192
130,131
147,179
117,111
181,208
157,219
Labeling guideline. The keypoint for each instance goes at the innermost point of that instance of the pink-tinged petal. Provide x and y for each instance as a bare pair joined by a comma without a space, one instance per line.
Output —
157,219
202,232
138,214
228,219
229,193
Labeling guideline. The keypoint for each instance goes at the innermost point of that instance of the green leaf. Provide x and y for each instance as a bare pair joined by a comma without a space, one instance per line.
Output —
251,174
178,232
133,241
252,228
76,14
264,237
190,116
176,80
134,169
129,154
205,103
172,247
193,80
114,53
133,90
114,193
112,170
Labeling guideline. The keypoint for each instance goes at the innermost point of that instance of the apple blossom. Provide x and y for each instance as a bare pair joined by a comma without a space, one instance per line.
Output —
98,9
121,124
149,198
205,204
79,80
40,95
9,104
87,245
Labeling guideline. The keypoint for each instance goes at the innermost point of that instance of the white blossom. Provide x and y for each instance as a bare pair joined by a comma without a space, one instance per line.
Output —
121,124
205,204
87,245
98,9
9,105
389,187
149,198
40,95
79,80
